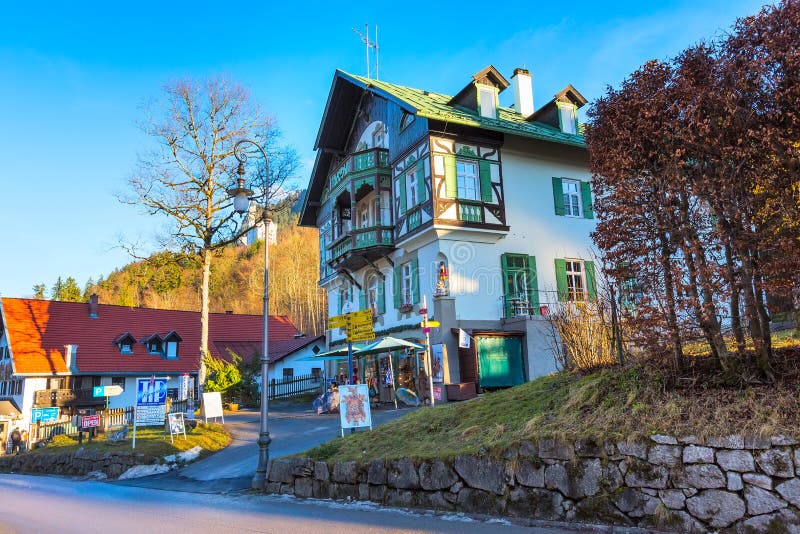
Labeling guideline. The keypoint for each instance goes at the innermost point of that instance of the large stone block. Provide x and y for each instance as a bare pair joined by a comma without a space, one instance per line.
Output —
436,475
304,487
344,473
530,473
646,475
321,471
734,481
672,498
734,441
577,480
402,474
762,481
736,460
556,450
302,467
636,449
719,508
482,473
784,521
376,472
662,439
776,463
760,501
588,448
280,470
694,454
790,490
665,455
399,497
535,503
705,476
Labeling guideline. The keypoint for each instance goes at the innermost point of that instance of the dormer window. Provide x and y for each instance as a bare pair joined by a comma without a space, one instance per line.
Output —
153,343
125,343
567,118
171,341
487,102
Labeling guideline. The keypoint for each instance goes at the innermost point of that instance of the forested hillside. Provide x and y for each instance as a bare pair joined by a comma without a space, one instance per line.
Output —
172,280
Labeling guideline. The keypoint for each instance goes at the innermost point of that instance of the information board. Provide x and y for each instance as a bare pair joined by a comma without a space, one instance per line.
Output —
90,421
212,406
150,415
44,415
354,411
151,391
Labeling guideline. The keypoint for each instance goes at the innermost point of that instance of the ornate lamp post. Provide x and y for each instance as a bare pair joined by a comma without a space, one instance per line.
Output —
241,203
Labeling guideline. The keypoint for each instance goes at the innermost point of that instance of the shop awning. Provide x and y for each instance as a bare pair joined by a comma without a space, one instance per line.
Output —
387,344
341,351
9,408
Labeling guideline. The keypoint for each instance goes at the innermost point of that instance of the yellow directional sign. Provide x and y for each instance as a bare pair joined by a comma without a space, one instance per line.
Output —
359,318
362,337
433,324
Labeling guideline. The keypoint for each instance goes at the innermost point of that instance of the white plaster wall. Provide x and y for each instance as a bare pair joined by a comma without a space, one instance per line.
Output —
25,401
295,361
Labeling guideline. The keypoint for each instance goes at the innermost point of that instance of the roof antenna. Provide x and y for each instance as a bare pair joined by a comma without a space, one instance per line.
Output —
370,44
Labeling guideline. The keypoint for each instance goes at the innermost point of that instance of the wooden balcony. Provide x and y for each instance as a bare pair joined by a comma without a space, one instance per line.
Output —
353,250
60,398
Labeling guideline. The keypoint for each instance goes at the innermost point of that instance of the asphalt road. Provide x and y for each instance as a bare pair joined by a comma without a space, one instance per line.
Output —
292,428
54,504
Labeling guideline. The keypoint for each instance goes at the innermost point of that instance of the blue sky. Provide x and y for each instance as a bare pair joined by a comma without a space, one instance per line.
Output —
74,75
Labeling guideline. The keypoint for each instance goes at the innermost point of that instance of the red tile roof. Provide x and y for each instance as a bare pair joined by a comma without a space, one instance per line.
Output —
37,331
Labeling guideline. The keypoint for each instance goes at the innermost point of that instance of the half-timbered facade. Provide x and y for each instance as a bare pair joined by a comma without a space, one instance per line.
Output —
483,209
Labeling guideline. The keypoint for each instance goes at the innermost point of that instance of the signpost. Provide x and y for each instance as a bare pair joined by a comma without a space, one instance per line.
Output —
176,425
426,327
151,403
358,327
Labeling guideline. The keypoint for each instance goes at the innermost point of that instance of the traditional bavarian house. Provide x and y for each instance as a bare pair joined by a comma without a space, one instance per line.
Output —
484,209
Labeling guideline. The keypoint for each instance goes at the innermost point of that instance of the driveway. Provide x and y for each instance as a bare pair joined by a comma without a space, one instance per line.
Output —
292,428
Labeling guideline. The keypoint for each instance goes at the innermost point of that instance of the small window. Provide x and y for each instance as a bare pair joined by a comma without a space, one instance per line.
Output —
154,346
467,180
576,286
407,284
566,115
171,349
488,106
118,381
411,187
572,198
406,120
288,372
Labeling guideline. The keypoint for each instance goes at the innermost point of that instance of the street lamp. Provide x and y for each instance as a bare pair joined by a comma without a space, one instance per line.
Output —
241,204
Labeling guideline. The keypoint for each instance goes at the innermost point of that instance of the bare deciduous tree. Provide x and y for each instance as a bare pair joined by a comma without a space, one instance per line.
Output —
195,125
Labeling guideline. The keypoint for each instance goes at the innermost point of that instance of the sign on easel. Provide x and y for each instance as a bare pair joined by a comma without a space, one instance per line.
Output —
212,406
177,425
354,409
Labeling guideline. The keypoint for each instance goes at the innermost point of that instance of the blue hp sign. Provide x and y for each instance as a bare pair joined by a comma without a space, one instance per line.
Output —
151,391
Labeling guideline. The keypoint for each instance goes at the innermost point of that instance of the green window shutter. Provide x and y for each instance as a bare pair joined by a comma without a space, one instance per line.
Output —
381,297
561,279
558,196
450,179
533,285
506,284
397,286
586,197
486,180
414,281
340,303
421,181
402,181
362,299
591,280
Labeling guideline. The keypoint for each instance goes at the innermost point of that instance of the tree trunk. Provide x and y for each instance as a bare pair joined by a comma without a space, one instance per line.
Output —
204,305
735,288
672,316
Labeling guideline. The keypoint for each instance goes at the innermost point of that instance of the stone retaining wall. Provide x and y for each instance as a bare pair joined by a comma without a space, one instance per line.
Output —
81,462
735,483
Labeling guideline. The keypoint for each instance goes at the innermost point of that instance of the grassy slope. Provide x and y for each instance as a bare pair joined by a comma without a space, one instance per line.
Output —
609,403
150,441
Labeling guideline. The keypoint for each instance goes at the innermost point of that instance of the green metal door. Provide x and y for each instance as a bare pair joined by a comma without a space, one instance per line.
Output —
500,361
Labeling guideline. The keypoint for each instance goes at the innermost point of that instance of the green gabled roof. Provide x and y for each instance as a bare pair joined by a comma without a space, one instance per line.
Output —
434,106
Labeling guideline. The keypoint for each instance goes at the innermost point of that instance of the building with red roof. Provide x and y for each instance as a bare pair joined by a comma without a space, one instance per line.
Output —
53,353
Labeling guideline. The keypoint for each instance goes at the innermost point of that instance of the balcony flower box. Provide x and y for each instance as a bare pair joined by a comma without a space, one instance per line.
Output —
406,308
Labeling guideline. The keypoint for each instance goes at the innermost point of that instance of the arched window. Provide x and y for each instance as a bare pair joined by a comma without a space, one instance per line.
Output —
375,295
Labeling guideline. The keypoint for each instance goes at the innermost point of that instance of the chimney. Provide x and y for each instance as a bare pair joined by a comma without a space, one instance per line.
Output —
93,306
70,357
523,92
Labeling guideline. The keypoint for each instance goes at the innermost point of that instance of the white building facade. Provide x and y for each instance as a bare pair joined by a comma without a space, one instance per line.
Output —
485,211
